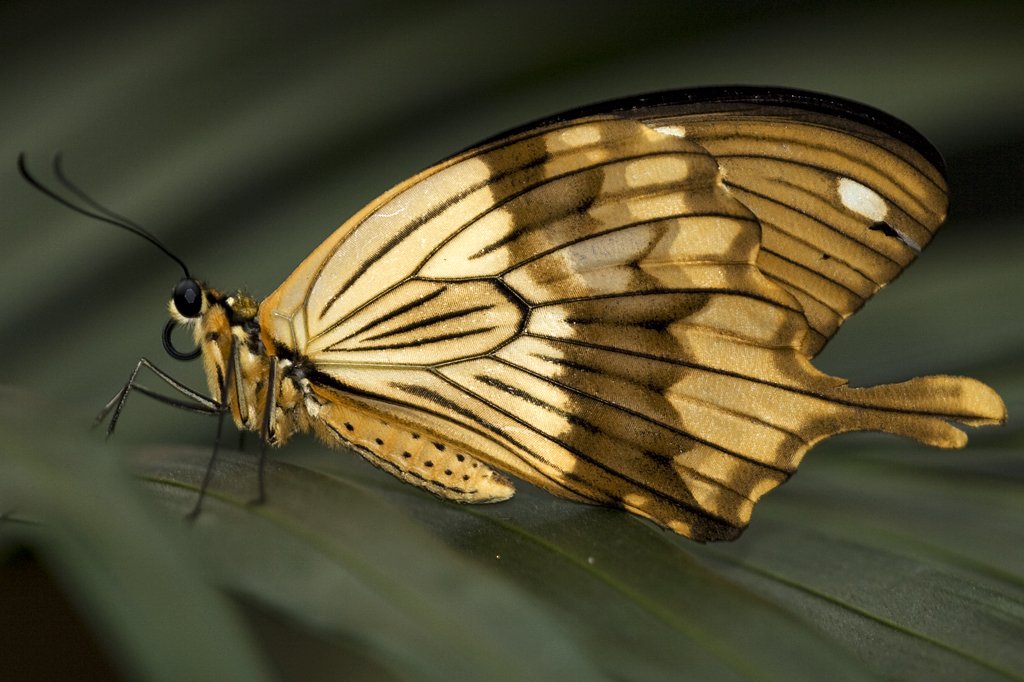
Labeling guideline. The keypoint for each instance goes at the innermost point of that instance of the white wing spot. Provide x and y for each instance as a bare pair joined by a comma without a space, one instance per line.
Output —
862,200
674,131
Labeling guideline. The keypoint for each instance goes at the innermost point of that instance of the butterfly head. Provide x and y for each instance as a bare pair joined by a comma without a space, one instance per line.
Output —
192,302
188,300
188,303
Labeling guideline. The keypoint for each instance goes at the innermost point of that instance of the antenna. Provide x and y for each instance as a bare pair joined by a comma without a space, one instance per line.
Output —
95,210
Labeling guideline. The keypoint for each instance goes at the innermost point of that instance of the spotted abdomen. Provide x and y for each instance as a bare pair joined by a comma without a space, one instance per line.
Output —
434,464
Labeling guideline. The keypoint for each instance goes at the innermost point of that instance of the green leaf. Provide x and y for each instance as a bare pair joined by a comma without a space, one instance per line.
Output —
340,560
587,592
905,562
128,574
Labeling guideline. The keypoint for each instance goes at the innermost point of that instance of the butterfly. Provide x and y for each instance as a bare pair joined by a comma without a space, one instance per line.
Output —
618,304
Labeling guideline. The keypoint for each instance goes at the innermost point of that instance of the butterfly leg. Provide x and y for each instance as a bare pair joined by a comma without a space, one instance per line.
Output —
223,410
208,474
200,403
267,429
196,402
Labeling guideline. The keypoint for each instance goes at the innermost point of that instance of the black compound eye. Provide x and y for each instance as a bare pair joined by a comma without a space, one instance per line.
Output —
188,298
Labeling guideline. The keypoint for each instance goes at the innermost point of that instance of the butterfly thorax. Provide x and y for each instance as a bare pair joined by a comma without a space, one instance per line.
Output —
241,365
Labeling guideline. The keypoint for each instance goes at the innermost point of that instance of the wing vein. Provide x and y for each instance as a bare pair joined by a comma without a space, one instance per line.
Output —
920,205
821,222
587,491
669,427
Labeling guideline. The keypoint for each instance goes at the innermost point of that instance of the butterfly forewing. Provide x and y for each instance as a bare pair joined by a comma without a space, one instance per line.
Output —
620,309
819,183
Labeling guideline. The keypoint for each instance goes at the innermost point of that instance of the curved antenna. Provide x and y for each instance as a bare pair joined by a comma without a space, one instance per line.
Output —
97,212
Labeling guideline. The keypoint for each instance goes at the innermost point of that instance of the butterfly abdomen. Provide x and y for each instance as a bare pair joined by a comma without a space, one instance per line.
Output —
422,459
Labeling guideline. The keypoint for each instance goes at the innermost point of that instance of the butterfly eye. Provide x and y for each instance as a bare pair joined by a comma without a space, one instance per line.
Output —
188,298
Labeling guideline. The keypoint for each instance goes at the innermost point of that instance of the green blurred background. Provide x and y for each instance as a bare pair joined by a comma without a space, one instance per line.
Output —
243,133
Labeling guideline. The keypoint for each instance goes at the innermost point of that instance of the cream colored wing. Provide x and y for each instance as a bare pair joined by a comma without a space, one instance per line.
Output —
582,305
847,196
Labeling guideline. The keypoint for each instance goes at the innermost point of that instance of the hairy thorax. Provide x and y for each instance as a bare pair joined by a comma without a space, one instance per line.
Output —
244,372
